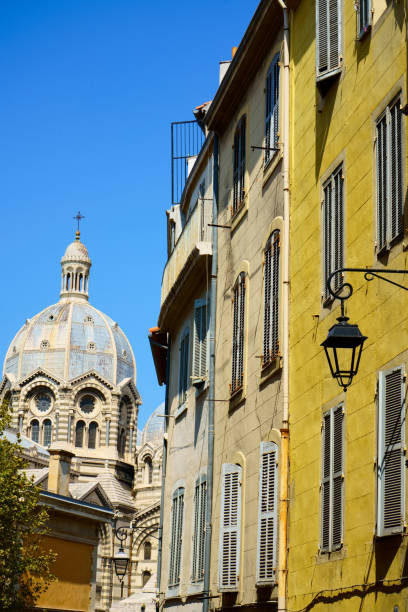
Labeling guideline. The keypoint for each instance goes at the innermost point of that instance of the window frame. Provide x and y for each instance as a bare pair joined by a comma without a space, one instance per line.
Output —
333,229
385,172
364,18
331,515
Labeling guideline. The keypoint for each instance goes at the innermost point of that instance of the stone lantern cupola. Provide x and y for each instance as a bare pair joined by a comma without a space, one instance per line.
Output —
75,270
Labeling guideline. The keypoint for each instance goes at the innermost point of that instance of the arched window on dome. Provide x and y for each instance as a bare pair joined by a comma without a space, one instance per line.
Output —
145,577
81,278
35,430
147,551
67,287
79,434
92,434
148,470
47,432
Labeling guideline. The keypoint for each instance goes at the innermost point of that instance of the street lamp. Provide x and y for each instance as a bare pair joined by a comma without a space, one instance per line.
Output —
121,560
344,343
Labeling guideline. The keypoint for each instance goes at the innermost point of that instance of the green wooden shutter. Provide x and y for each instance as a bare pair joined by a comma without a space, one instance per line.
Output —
391,455
267,514
230,527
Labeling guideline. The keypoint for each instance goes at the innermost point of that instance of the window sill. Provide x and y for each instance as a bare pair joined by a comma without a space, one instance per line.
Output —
334,555
180,410
270,167
237,398
173,592
237,217
330,74
201,386
270,369
195,587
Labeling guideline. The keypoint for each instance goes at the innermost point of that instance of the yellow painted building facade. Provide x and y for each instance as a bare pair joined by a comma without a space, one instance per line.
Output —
347,134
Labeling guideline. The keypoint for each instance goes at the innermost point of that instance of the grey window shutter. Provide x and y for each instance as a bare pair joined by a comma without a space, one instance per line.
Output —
391,457
238,334
332,486
272,108
184,366
239,165
230,527
267,514
200,504
363,16
176,537
395,171
201,325
333,228
382,182
328,36
271,297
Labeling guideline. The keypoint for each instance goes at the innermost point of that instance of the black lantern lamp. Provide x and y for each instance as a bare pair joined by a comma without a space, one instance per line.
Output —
343,347
121,560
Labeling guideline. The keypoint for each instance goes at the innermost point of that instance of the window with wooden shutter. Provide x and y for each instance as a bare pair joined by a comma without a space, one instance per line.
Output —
389,176
363,9
391,453
328,37
271,348
332,485
238,334
230,528
184,366
333,229
176,539
200,355
267,514
239,166
272,109
200,508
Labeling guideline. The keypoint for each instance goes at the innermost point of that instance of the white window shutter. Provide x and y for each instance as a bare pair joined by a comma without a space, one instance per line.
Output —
230,527
328,37
391,457
267,514
200,340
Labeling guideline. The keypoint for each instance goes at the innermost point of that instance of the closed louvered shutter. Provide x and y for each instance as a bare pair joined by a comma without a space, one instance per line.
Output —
391,457
271,297
389,176
201,324
238,334
176,537
229,552
328,37
200,505
184,363
239,166
333,229
267,517
332,485
272,108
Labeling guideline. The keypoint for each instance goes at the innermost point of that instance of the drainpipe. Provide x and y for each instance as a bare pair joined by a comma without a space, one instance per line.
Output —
211,390
164,462
284,482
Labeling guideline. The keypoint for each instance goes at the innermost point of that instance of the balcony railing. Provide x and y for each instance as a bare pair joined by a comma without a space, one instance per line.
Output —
194,241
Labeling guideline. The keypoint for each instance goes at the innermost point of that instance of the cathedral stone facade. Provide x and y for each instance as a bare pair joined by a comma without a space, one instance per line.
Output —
70,377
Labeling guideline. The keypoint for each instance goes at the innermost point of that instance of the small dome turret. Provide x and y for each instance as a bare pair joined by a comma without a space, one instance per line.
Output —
75,265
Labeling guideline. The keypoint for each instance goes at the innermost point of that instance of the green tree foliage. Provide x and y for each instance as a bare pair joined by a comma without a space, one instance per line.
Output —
24,562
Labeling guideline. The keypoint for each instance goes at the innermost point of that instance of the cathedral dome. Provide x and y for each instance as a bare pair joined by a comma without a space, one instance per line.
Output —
154,429
72,337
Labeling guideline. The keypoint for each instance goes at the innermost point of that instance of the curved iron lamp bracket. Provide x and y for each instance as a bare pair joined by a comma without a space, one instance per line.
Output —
369,275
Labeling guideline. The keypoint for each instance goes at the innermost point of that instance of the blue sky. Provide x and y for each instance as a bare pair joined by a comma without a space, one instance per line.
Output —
89,89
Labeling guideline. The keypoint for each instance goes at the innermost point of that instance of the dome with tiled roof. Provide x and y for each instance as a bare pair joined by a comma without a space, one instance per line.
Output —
72,337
